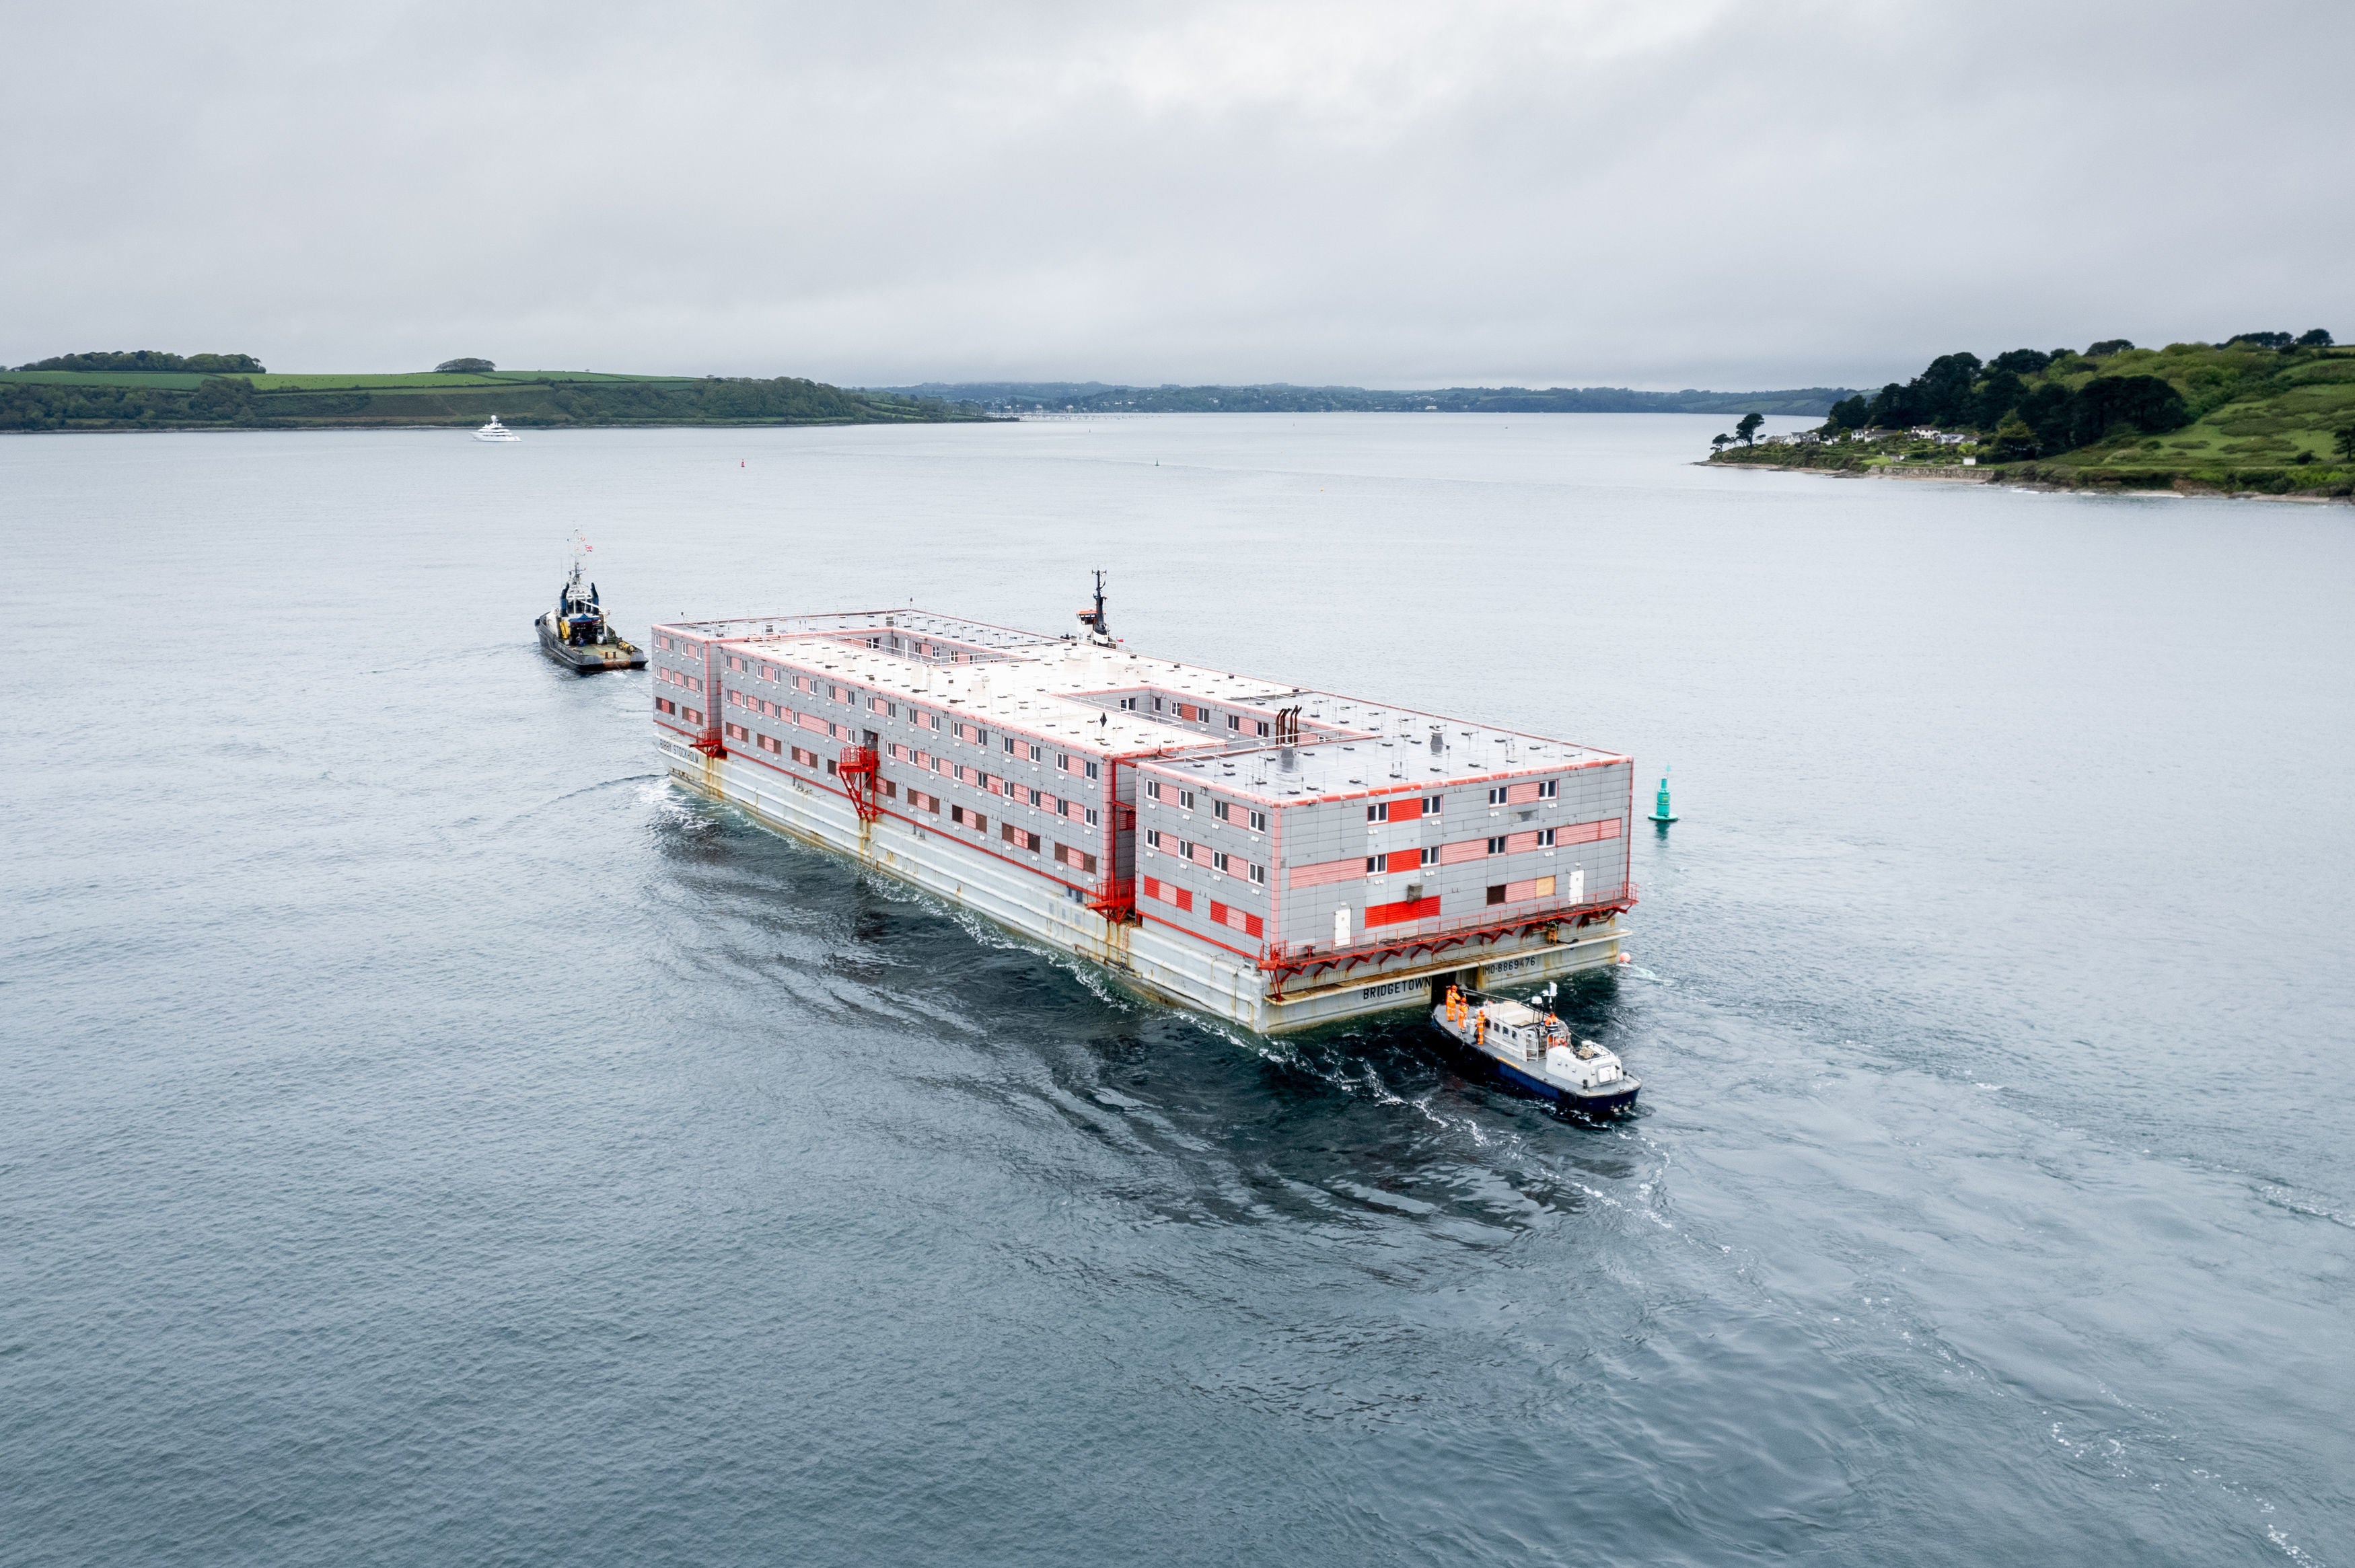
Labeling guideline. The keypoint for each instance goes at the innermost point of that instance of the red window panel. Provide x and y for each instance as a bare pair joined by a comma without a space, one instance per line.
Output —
1255,927
1534,887
875,705
806,758
1326,871
1463,850
1218,912
1587,832
898,752
1520,794
1182,897
664,705
736,732
1404,860
769,744
1199,853
693,715
811,722
1520,843
1401,912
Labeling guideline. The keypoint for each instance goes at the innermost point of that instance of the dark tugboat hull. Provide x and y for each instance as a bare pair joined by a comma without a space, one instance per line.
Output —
589,658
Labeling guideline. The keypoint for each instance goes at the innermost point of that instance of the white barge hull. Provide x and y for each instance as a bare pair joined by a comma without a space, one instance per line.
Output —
1168,967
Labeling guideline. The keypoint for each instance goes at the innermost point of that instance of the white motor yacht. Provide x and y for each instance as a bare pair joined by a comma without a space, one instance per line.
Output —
494,431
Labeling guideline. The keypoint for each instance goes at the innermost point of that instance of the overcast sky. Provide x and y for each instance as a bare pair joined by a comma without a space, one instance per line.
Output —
1651,193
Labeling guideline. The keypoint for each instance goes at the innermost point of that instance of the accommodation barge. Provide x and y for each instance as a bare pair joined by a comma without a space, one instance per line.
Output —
1270,854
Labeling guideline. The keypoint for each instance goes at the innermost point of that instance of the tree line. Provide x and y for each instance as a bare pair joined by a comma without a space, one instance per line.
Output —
2022,405
154,359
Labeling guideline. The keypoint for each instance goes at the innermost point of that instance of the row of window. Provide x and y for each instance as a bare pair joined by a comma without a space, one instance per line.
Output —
1183,799
1432,854
1203,854
1431,805
1170,893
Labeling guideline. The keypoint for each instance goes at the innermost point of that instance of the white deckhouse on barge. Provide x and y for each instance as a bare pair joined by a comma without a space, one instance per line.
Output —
1274,855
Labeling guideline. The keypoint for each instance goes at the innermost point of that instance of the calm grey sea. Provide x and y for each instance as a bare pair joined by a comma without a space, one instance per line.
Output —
426,1138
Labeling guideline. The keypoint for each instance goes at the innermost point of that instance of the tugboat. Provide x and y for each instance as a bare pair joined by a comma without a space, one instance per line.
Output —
575,631
1536,1050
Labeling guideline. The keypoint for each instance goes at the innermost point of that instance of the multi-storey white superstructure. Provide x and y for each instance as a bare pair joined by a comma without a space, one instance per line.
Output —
1271,855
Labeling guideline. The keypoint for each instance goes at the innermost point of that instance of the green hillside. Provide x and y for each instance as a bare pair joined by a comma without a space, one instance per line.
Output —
2263,412
146,390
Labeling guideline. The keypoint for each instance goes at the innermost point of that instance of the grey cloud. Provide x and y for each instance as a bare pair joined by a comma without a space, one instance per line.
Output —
1659,195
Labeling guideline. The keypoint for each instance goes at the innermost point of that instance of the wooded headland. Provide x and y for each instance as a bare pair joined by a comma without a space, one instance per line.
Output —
2264,413
150,390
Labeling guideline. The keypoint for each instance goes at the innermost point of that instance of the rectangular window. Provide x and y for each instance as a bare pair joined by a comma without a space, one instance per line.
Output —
1219,810
1091,770
1184,799
1550,789
956,813
1496,892
1185,849
1259,821
1152,838
1497,796
1431,855
1381,813
1128,704
1153,789
1037,754
1259,875
1007,742
736,732
1545,837
1218,860
1373,865
663,643
1020,838
693,715
806,758
664,706
1234,721
769,744
1496,846
1092,816
1263,730
1431,804
891,789
834,694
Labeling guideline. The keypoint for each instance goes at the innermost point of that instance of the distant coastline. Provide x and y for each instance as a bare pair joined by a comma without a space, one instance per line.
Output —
148,391
1281,397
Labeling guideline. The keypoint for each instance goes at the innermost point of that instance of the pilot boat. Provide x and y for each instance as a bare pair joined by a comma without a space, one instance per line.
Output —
1535,1050
494,431
575,633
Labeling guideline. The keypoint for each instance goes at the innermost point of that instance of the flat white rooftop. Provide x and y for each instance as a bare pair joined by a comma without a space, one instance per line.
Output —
1114,702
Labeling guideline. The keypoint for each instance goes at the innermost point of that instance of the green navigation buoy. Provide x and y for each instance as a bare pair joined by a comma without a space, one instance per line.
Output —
1660,812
